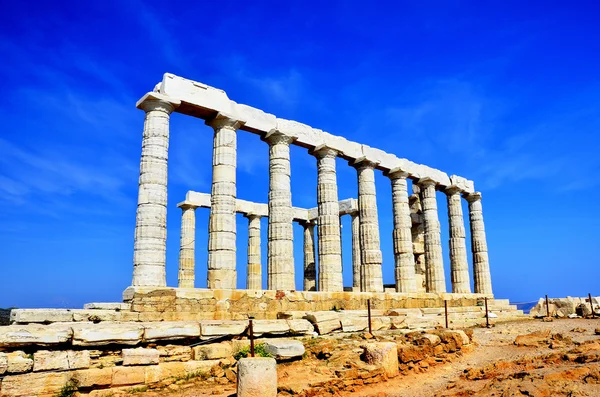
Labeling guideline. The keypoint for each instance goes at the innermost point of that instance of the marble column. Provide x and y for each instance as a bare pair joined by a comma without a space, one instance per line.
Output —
371,276
481,264
222,223
459,266
280,260
435,279
402,234
328,221
356,263
254,280
149,247
187,242
310,266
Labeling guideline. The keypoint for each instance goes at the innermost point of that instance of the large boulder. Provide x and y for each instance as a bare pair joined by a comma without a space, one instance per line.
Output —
284,348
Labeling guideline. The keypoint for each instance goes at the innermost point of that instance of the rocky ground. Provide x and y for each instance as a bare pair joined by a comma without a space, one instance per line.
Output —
528,358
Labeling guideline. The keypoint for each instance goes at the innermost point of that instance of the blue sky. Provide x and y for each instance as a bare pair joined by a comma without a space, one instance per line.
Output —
504,93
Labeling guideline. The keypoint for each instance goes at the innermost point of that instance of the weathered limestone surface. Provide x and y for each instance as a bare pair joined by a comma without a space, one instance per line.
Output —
435,280
220,328
41,315
328,223
280,262
284,348
3,363
459,266
118,306
18,362
140,356
371,273
156,331
402,234
37,384
257,377
481,264
107,333
254,280
310,262
212,351
356,261
47,360
384,355
175,353
186,276
149,252
22,335
272,327
222,225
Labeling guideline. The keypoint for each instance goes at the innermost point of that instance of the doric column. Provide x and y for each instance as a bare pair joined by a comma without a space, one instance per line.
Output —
310,267
435,280
481,264
402,234
371,276
356,263
149,247
459,266
187,242
328,221
254,280
280,261
221,225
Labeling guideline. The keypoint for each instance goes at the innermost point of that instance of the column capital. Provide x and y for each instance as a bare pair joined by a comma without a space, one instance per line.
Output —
275,137
396,173
472,197
323,151
308,223
362,163
252,216
223,120
155,101
426,182
452,190
185,206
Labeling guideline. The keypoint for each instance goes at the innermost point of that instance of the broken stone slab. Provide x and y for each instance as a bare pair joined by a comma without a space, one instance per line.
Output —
325,322
34,334
95,316
257,377
18,362
300,327
212,328
382,354
284,348
273,327
212,351
354,324
170,330
107,333
140,356
43,316
118,306
381,323
48,360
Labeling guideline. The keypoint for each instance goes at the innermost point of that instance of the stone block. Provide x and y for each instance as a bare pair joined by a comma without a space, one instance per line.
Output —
140,356
107,333
212,351
125,376
211,328
283,349
300,327
38,384
45,360
175,353
162,371
3,363
78,359
257,377
316,317
93,377
433,340
96,315
384,355
107,306
18,362
354,324
171,330
22,335
272,327
43,316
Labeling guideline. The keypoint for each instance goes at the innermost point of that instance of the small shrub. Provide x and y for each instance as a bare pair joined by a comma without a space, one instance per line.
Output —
69,389
193,375
259,351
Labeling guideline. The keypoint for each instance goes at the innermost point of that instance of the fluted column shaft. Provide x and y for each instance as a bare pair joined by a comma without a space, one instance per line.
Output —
149,248
356,263
402,234
187,242
371,275
222,224
328,222
459,266
310,268
254,280
435,279
280,261
481,264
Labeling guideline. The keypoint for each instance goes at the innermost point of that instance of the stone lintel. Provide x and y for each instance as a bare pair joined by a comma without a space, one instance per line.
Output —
154,97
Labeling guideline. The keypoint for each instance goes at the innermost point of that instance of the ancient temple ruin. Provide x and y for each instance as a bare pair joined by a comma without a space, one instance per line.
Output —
227,118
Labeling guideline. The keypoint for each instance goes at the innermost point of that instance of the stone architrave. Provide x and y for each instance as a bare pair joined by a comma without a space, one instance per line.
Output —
186,276
222,222
328,221
459,266
435,279
481,264
280,256
402,234
356,263
371,274
310,265
149,248
254,280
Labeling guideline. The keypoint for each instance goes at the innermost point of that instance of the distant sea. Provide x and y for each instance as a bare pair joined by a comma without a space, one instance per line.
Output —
526,307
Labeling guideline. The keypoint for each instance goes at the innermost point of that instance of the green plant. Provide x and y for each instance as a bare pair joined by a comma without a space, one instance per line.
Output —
140,389
192,375
69,389
259,351
30,356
